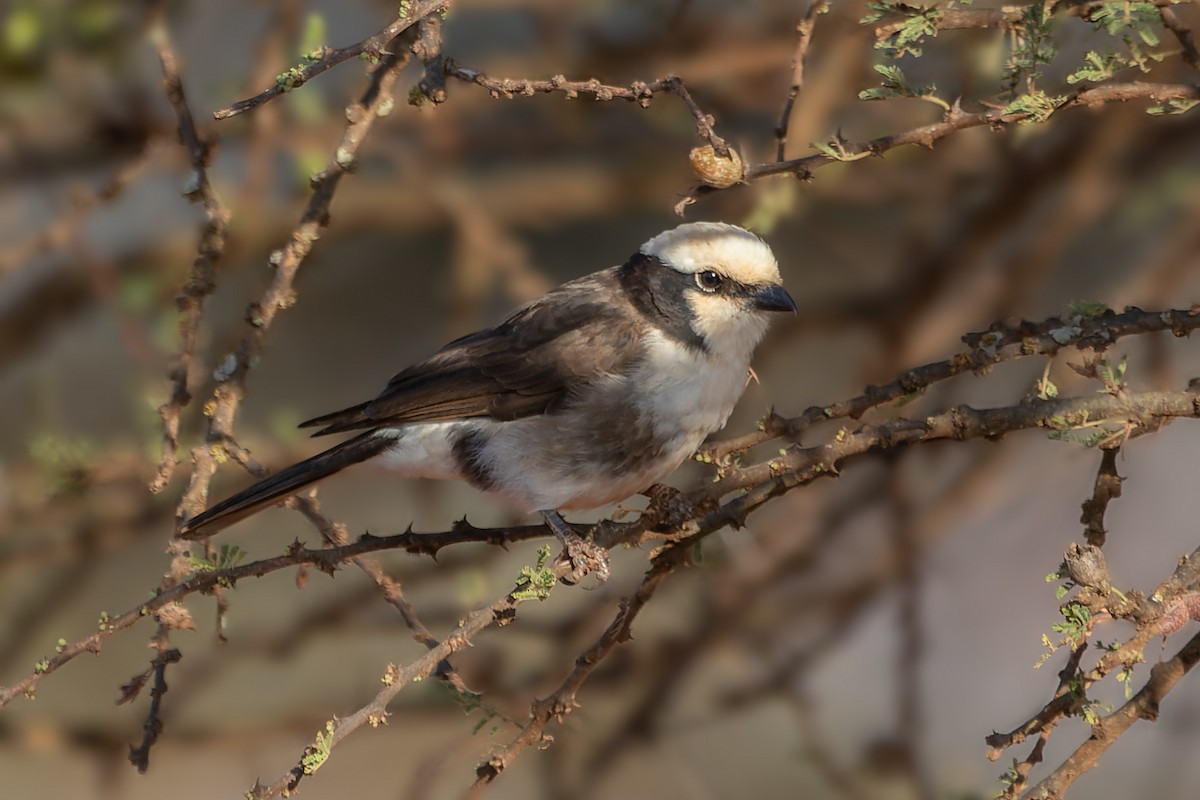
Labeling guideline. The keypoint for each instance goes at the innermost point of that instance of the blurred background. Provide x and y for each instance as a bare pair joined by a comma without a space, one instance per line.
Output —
858,639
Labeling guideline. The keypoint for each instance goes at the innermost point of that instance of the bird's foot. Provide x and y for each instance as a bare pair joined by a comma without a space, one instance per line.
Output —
584,557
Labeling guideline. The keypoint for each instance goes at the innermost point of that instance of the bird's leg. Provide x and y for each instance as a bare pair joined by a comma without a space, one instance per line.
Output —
583,556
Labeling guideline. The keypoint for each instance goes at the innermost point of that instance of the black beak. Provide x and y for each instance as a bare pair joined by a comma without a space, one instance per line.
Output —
773,297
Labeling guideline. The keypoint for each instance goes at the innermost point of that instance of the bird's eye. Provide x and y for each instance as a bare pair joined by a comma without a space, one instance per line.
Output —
708,280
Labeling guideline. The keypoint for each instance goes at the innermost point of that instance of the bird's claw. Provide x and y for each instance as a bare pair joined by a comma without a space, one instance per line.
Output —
584,558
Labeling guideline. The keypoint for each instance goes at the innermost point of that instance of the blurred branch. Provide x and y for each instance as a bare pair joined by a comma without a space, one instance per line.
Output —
329,57
1183,33
200,285
804,30
63,227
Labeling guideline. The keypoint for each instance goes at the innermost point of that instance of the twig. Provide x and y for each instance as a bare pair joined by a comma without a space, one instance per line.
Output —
804,30
200,285
329,57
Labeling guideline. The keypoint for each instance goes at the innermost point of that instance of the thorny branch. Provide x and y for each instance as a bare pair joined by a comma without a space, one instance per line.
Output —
986,349
638,92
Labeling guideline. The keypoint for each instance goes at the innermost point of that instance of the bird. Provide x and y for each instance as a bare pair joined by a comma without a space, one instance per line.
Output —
583,397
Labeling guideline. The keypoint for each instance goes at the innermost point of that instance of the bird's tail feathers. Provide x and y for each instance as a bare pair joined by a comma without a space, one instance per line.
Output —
285,483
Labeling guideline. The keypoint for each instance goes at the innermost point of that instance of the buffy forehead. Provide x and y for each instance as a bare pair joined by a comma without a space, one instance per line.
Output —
732,251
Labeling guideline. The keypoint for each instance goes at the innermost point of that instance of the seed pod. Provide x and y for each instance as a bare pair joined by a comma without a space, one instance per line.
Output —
714,170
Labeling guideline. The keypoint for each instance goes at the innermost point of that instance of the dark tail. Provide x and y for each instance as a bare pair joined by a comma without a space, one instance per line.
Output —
284,484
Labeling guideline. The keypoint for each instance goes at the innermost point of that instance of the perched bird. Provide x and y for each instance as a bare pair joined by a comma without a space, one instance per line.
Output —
594,391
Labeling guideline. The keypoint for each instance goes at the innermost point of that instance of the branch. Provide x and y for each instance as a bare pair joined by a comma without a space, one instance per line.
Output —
327,58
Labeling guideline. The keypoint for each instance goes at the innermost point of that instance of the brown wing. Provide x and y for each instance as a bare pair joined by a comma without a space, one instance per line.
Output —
523,366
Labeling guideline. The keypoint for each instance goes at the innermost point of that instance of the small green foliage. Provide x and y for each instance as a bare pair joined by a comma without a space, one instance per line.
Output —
1112,377
1136,24
102,625
535,583
62,458
895,84
1121,16
918,24
1086,309
60,645
1067,585
317,753
312,40
1012,775
1076,618
1097,67
1032,45
1125,677
875,12
835,150
1046,388
405,9
227,557
1173,107
1064,429
1036,106
1088,709
41,666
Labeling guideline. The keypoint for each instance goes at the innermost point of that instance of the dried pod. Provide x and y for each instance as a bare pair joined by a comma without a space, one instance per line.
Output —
1087,567
715,170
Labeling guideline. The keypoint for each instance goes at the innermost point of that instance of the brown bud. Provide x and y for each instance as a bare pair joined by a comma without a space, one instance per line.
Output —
715,170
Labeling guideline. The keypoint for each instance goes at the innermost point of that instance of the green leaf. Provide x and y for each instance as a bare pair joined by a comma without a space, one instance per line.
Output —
1173,107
